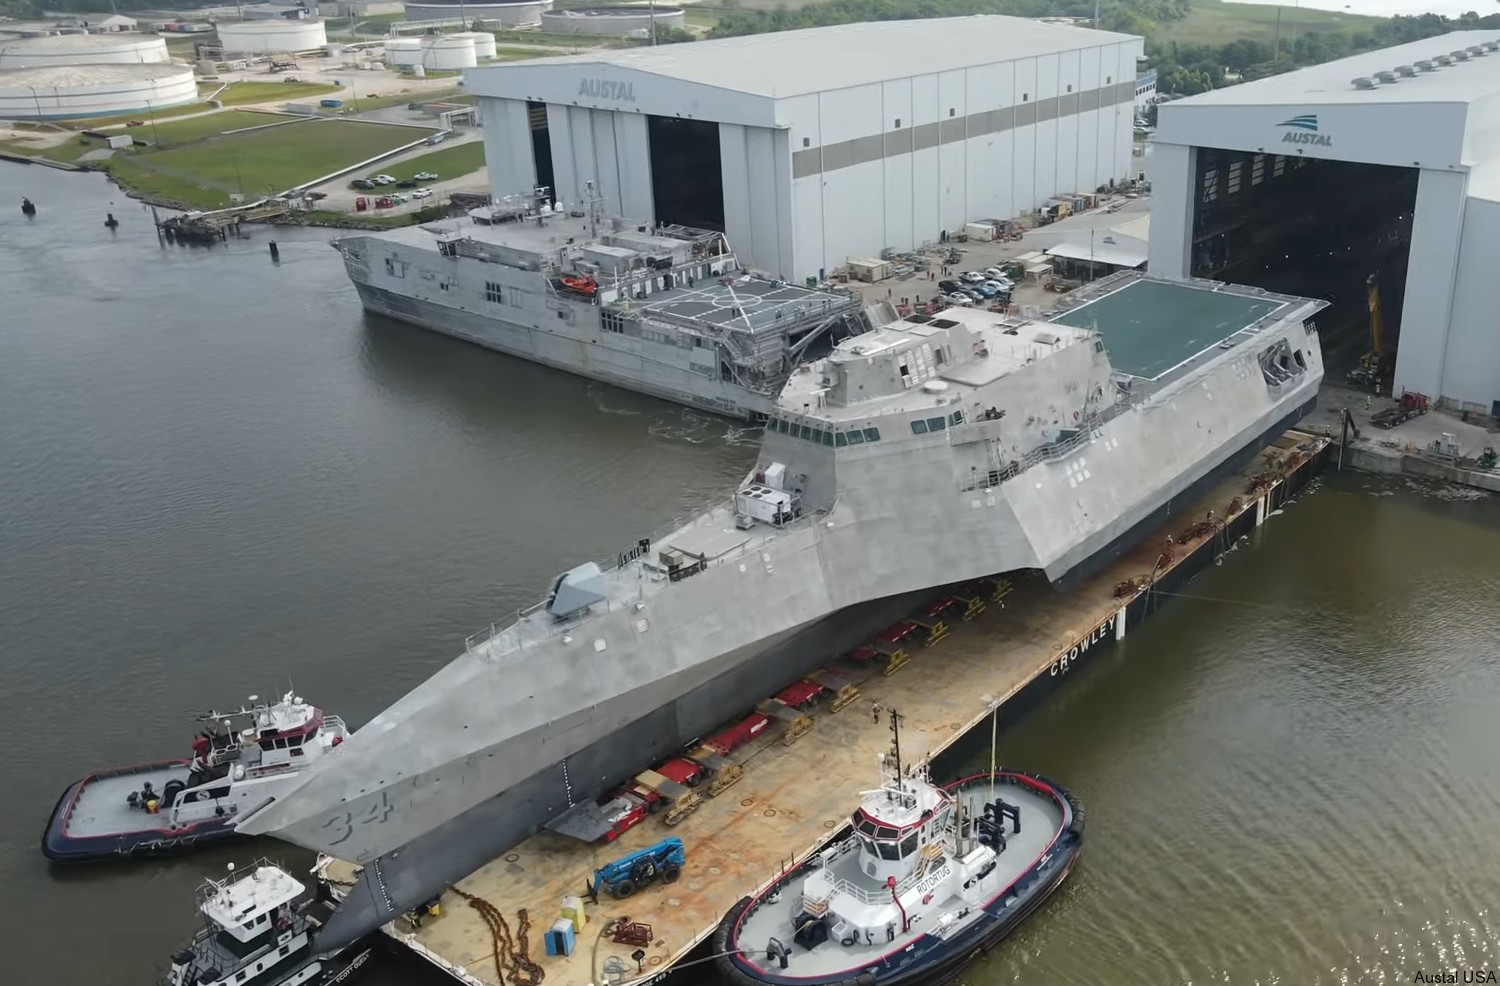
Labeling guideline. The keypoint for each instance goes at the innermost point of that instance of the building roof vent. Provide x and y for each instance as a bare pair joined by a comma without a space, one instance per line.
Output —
1492,45
1426,66
1405,70
1460,56
1363,83
1385,77
1443,60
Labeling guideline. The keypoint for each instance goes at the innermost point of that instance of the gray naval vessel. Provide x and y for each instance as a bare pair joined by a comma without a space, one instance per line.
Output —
925,452
664,310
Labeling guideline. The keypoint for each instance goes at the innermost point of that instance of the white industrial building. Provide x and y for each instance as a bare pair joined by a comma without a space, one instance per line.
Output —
56,50
814,147
83,91
262,37
1429,112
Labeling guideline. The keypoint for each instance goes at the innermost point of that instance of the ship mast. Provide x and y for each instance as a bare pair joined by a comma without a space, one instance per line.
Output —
896,718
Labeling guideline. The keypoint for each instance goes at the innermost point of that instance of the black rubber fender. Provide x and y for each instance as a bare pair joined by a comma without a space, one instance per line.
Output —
1080,817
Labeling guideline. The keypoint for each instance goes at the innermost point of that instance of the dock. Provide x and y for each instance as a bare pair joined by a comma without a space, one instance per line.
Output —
214,227
797,793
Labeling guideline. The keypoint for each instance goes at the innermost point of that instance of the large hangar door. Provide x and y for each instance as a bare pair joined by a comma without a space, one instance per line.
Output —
541,145
687,177
1309,227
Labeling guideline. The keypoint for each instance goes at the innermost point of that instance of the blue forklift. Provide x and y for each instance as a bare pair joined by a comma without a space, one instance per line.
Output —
623,877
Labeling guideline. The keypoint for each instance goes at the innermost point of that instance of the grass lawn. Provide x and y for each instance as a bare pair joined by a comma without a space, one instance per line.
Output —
67,152
267,162
1216,23
199,128
241,93
366,103
449,162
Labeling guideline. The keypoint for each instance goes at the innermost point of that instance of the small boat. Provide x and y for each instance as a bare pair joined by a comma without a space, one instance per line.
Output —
928,877
260,928
27,207
247,757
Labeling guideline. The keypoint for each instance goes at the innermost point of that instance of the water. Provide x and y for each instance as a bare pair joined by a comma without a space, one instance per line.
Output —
216,475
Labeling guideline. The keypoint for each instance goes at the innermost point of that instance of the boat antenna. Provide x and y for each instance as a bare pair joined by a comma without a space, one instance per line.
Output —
896,718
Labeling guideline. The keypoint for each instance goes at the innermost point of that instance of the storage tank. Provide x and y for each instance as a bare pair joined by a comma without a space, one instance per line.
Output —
520,13
484,43
449,52
272,36
403,52
82,91
83,49
611,21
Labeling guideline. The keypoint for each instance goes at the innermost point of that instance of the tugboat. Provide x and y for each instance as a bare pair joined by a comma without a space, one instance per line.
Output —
248,757
255,931
28,208
929,877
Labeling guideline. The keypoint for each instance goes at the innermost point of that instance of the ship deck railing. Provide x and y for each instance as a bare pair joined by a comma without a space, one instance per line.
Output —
534,625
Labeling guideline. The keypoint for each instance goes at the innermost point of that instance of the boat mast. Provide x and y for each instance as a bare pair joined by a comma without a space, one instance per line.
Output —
896,718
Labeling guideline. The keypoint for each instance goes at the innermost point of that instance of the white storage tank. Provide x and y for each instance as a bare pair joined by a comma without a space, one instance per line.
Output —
448,52
272,36
484,43
82,91
518,13
618,21
83,49
403,52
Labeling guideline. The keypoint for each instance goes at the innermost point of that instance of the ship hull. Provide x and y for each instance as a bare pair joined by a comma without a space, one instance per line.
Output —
678,385
438,859
62,846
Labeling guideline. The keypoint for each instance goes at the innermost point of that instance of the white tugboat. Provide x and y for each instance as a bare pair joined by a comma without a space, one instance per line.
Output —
243,760
929,877
258,929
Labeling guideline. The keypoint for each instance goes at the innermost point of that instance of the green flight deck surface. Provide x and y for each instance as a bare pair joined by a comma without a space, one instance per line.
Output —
1149,327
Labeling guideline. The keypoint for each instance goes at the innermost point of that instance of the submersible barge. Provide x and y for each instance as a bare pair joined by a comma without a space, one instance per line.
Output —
794,799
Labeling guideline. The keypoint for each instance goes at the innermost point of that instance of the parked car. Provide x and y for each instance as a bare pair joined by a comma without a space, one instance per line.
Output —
998,287
985,291
361,183
315,196
426,176
422,193
995,274
383,180
408,183
436,139
973,292
972,276
958,299
949,286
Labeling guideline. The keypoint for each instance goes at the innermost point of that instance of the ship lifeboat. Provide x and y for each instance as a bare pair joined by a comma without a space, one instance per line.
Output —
927,878
583,285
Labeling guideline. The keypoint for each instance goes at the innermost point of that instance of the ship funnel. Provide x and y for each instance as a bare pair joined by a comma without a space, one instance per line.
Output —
576,590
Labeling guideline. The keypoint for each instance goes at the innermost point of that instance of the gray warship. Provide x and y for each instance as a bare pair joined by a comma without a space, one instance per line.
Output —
926,452
663,310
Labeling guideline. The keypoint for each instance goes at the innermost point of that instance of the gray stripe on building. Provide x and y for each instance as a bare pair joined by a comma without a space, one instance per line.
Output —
847,153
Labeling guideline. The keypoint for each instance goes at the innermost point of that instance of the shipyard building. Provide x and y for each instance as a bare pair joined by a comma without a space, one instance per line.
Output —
810,148
1383,164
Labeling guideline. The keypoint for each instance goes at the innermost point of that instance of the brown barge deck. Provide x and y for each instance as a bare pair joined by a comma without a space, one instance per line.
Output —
794,796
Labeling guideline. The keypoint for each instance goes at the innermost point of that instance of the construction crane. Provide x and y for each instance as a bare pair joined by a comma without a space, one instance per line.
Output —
1373,366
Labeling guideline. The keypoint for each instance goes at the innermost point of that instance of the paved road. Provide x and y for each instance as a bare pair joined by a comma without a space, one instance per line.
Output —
341,197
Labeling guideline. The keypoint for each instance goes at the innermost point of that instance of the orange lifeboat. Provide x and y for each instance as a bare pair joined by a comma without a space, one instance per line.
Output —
583,285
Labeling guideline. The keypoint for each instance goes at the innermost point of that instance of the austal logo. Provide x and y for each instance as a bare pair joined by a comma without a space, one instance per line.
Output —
621,92
1304,130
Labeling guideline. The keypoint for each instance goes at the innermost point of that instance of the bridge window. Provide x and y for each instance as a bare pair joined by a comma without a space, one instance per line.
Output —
872,434
827,437
919,427
958,417
936,424
855,438
839,441
817,434
909,844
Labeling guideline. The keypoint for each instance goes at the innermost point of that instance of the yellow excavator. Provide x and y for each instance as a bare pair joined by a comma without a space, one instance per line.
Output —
1373,366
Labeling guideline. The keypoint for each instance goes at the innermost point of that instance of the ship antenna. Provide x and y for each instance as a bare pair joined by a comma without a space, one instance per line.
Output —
896,718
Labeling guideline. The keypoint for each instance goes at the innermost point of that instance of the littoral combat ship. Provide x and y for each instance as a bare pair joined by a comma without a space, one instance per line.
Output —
664,310
925,452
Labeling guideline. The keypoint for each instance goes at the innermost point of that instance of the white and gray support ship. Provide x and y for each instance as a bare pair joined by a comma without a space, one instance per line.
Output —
924,453
666,311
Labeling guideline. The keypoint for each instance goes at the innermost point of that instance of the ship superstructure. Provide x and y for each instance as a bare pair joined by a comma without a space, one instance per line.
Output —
664,310
929,451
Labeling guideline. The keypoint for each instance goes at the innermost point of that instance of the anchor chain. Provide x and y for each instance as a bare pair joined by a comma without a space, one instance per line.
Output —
512,961
390,905
567,783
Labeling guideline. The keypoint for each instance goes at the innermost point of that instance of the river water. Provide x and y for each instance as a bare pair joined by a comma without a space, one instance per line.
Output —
218,477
